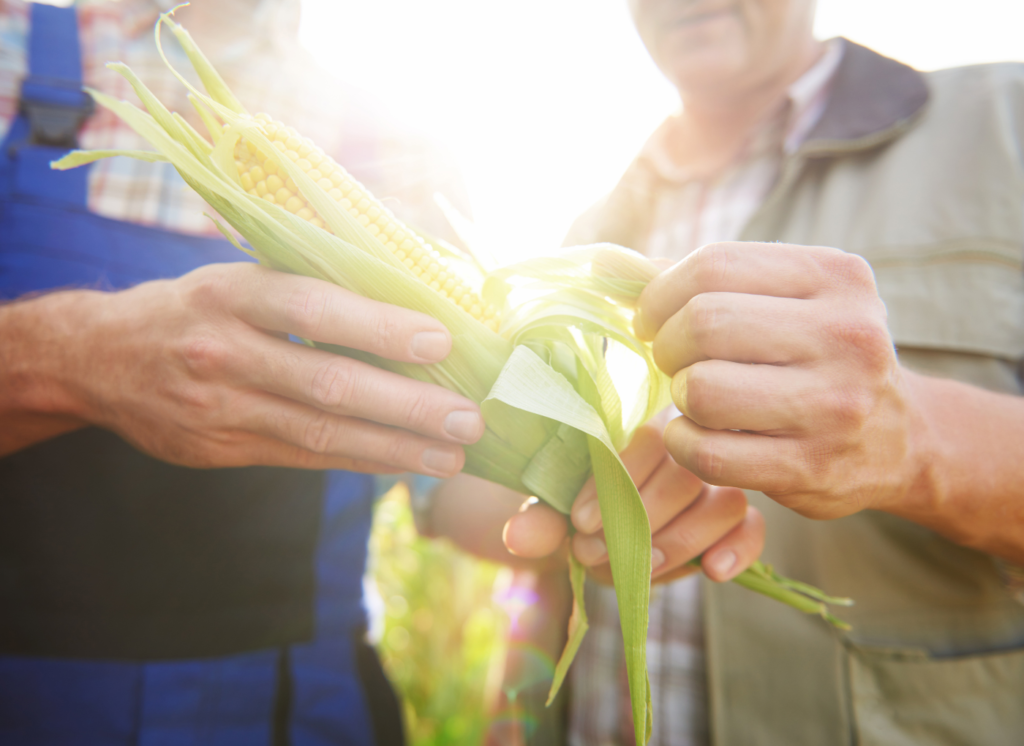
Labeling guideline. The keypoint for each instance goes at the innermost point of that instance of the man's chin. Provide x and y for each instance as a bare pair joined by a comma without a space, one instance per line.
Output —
712,72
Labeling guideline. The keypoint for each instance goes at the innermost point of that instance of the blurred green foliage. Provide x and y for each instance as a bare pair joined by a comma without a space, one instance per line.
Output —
443,633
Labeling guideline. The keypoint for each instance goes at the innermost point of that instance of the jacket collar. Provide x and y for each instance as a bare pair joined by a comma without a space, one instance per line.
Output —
873,97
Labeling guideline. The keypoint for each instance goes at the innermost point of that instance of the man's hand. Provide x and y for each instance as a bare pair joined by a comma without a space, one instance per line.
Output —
198,371
688,519
785,372
786,375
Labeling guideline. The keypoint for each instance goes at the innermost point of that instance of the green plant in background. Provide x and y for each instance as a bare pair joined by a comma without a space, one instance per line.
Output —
443,634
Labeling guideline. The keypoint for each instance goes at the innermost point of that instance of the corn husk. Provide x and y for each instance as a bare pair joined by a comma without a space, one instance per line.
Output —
562,387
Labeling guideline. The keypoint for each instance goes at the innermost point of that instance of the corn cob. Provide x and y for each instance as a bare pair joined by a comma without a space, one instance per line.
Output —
261,176
553,409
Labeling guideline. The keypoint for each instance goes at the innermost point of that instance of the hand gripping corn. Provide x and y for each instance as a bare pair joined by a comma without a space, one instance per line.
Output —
546,368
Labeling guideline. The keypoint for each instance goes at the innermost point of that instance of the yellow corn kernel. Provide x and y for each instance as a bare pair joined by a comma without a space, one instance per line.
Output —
260,174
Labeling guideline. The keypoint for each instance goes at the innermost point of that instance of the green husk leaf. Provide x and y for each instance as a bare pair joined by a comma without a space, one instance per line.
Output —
555,412
211,79
77,158
209,121
528,383
578,626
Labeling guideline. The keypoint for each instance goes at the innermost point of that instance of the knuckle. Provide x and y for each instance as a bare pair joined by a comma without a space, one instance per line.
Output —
334,385
320,433
869,340
851,407
813,468
207,287
305,310
702,319
386,331
687,540
395,449
204,353
700,394
847,271
733,503
856,270
198,401
419,410
707,459
712,263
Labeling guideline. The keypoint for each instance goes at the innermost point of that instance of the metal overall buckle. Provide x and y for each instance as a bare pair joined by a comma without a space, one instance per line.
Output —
52,122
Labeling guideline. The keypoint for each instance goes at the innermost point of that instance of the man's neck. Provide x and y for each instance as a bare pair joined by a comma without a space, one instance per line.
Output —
713,128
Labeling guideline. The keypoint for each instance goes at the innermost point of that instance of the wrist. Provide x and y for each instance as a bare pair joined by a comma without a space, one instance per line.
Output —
42,341
947,482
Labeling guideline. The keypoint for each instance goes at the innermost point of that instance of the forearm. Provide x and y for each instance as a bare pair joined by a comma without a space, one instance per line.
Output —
35,340
969,444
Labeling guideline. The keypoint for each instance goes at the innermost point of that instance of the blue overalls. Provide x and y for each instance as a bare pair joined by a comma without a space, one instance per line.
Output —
143,603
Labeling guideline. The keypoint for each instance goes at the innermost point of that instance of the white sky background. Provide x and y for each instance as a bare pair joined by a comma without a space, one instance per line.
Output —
543,102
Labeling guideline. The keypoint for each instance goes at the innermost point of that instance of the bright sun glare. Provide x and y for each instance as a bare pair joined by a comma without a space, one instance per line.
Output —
543,102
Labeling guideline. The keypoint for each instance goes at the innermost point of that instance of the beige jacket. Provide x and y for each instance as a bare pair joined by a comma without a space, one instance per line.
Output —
923,175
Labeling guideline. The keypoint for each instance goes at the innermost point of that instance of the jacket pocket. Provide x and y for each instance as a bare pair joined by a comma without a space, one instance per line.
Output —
906,698
967,304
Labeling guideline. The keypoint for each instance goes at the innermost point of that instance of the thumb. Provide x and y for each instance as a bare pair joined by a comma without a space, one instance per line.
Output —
537,530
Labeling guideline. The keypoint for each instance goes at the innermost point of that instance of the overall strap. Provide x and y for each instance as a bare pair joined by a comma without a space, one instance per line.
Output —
51,110
52,99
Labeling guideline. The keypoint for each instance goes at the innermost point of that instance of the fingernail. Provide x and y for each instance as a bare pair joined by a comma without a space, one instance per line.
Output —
464,426
721,563
588,517
430,347
657,558
440,461
590,550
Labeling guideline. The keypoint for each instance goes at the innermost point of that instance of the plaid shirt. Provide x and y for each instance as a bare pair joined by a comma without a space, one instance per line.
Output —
688,213
262,61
